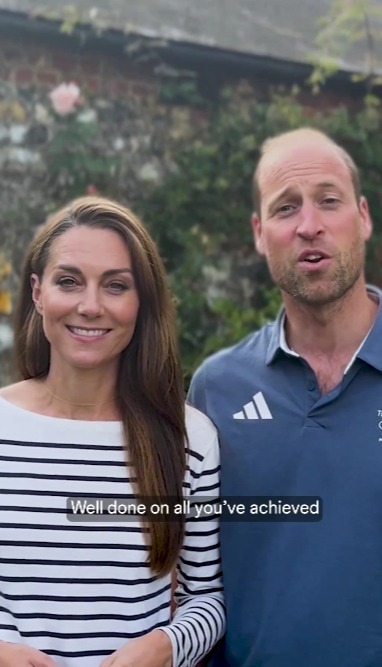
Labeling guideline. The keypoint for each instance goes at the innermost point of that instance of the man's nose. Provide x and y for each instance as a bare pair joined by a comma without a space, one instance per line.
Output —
90,304
310,221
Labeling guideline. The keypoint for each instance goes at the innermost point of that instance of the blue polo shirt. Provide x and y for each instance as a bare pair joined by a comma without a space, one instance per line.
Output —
299,594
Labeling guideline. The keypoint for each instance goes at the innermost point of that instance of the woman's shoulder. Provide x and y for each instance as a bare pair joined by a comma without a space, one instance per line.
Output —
201,432
195,419
21,394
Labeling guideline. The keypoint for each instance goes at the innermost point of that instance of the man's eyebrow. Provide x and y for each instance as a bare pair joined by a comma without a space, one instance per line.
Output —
328,184
293,192
74,269
280,196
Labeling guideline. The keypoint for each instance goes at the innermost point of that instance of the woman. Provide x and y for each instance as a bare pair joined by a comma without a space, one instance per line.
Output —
99,416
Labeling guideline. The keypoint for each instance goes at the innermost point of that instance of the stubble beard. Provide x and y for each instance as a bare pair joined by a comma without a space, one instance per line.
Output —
322,288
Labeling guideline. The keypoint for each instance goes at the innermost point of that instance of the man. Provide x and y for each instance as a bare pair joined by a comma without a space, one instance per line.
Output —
299,409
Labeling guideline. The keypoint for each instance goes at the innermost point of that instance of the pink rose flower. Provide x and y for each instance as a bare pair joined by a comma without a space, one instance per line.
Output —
91,190
65,98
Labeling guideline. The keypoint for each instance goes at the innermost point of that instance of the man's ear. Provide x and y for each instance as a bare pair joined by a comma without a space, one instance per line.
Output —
257,233
367,223
36,292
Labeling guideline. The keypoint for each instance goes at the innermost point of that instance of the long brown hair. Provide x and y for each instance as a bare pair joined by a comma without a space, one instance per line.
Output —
149,384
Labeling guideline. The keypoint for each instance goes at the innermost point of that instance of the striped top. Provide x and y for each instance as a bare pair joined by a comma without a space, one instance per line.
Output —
79,590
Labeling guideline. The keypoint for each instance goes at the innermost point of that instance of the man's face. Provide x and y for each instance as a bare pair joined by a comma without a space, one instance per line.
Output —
312,230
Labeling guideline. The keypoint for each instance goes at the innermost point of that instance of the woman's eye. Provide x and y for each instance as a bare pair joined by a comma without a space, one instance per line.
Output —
66,282
118,287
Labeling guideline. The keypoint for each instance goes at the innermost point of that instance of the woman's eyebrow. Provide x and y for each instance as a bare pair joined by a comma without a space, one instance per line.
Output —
67,267
112,272
74,269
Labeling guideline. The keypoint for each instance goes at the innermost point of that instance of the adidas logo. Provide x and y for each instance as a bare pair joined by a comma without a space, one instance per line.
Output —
255,409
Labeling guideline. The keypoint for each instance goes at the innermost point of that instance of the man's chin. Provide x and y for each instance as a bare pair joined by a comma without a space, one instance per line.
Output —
319,297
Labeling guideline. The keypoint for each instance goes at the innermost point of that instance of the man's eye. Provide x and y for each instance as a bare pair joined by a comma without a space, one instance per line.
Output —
286,208
330,201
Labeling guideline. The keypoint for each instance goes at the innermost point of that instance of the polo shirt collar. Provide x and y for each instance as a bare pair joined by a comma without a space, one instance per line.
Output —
274,345
369,351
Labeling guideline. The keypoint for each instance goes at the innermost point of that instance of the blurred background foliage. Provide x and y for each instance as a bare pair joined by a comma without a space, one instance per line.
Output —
200,214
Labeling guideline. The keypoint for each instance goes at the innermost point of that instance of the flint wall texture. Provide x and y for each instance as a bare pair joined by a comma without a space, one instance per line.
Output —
120,96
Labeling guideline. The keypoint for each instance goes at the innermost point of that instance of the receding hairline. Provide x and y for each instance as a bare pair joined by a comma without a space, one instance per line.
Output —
305,133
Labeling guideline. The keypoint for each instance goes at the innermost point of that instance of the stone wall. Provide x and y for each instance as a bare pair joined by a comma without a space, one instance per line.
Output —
118,96
139,135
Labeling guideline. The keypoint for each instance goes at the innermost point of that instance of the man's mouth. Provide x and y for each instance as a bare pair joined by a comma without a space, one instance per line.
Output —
312,256
78,331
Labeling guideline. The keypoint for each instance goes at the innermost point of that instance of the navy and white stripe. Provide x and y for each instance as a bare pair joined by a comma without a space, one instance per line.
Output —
79,591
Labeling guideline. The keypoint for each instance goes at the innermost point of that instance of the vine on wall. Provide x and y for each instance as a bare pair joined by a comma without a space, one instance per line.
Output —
199,214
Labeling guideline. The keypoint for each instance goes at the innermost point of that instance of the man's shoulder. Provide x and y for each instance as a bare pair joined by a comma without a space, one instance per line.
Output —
226,372
254,346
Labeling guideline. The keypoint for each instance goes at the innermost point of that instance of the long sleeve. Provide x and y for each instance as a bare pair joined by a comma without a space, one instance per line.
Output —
197,393
199,620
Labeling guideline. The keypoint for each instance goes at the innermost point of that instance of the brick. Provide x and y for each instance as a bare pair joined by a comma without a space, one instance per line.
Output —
108,71
5,72
23,75
92,84
142,89
91,66
139,71
118,88
47,78
136,77
12,54
40,59
65,64
125,68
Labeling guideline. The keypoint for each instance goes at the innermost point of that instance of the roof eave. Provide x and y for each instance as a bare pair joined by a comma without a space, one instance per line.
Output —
188,54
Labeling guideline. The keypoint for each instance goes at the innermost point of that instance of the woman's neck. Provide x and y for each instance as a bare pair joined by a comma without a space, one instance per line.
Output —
79,394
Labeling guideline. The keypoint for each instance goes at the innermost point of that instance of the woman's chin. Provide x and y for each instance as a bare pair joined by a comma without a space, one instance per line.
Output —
88,361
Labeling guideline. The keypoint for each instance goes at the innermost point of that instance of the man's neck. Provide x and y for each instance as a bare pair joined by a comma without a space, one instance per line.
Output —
332,330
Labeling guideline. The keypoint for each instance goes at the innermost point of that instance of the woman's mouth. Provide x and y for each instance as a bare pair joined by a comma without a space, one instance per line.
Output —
88,333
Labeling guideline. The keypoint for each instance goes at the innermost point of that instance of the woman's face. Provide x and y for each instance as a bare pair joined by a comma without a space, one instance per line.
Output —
87,298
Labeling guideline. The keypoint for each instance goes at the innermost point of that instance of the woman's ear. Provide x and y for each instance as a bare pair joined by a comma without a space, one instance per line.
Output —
36,292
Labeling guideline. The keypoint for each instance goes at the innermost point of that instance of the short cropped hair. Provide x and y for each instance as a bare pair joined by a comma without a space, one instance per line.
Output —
273,142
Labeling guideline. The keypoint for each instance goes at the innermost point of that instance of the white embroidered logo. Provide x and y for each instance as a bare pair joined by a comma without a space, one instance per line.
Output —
256,409
379,412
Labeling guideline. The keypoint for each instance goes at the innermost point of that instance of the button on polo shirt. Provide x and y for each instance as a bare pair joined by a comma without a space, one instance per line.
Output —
303,594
